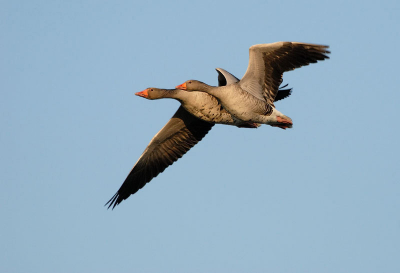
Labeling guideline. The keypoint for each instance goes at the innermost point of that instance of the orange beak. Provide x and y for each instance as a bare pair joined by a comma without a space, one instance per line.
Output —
143,94
182,86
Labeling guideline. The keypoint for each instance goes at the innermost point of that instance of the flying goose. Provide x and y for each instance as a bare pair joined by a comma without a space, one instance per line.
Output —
252,98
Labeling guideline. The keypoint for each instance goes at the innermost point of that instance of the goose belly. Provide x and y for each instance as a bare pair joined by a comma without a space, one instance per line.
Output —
209,110
245,107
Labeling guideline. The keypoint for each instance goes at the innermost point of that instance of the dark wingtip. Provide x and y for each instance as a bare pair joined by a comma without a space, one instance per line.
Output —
113,201
283,93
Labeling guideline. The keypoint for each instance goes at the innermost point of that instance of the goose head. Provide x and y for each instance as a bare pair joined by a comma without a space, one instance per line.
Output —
152,93
193,85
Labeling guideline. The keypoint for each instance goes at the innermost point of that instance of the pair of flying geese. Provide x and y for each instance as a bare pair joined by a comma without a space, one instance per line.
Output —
245,103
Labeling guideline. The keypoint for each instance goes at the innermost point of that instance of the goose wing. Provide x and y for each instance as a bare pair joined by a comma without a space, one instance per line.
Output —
225,78
267,63
178,136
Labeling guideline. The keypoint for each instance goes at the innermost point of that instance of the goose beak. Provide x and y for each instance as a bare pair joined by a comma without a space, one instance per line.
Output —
182,86
143,94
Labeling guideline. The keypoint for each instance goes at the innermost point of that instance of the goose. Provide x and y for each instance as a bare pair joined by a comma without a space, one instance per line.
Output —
252,98
184,130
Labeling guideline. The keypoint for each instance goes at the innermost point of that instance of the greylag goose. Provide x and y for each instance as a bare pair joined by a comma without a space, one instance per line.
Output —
199,104
252,98
178,136
196,116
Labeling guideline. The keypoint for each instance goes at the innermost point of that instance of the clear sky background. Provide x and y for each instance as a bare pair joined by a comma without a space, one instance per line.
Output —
321,197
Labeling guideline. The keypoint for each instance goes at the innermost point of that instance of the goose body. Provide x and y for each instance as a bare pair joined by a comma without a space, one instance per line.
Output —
252,98
205,106
199,104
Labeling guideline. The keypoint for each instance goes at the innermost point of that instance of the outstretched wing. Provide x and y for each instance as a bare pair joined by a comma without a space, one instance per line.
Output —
178,136
267,63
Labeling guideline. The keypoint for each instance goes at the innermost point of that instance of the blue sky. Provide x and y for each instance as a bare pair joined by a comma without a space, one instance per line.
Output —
321,197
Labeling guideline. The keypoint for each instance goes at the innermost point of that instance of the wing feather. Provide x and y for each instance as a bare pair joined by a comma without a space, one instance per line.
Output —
268,62
177,137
